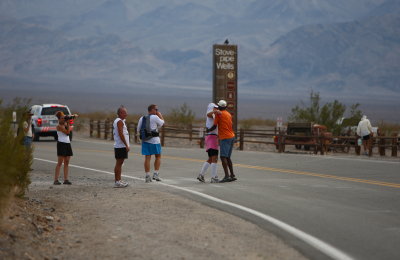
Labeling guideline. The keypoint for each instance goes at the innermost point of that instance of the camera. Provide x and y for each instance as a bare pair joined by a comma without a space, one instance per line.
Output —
69,117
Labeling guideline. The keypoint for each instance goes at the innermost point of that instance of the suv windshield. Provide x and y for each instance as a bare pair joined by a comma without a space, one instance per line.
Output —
51,111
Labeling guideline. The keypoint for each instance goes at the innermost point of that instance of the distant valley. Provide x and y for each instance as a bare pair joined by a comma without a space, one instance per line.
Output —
348,50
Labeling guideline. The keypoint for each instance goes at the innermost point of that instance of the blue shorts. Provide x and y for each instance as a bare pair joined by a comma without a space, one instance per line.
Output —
225,147
150,149
28,141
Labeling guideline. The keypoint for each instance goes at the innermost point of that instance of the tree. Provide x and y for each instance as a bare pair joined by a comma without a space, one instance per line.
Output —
355,116
182,115
329,114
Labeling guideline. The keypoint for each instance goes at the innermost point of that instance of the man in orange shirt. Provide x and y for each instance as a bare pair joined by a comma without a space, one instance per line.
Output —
223,121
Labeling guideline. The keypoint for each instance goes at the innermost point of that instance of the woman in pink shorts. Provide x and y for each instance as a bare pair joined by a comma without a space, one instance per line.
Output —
211,141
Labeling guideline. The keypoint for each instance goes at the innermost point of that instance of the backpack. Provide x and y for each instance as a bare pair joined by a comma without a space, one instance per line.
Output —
145,131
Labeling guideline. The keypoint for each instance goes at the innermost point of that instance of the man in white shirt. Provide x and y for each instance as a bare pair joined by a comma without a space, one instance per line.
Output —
364,130
121,145
151,145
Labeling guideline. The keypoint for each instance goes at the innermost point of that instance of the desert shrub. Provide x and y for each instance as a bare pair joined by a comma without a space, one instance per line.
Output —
388,128
15,160
182,116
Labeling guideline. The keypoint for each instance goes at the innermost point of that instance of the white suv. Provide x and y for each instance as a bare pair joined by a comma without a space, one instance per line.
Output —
44,120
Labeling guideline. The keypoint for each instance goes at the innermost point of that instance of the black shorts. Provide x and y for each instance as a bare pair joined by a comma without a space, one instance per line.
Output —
212,152
64,149
365,137
121,153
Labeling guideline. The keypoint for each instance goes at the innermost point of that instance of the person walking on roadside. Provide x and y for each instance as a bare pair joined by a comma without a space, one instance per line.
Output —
226,137
151,145
121,145
211,141
364,130
27,127
64,149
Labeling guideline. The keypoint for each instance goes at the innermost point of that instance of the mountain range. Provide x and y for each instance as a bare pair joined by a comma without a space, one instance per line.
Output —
342,48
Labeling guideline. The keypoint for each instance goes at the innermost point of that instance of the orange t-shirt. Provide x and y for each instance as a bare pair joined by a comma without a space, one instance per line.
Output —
224,123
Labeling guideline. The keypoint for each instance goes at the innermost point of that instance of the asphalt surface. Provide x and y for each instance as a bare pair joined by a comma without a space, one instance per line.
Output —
324,206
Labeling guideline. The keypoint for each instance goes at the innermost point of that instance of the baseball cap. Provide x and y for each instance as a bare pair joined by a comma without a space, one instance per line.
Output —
222,103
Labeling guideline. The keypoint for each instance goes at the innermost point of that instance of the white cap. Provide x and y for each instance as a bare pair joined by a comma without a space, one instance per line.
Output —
210,107
222,103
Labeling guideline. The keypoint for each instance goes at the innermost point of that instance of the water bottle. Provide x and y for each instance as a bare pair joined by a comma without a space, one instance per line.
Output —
359,142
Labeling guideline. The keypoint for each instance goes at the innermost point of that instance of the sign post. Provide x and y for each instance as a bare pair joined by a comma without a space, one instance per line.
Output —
225,78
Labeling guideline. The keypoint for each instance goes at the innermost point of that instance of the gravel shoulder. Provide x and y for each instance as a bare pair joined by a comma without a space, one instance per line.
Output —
92,220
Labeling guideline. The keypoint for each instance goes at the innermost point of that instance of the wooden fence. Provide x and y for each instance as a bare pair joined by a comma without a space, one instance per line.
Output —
344,144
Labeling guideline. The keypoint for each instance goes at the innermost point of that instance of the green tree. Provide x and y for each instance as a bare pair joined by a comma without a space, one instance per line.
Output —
355,116
182,115
330,114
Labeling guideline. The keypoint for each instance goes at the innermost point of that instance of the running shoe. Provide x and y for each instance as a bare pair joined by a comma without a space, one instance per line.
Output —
214,180
148,179
57,182
226,179
201,178
119,184
124,182
67,182
233,178
155,177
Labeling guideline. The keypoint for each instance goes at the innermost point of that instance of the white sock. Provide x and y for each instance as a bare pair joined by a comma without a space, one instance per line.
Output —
204,168
147,174
214,170
156,172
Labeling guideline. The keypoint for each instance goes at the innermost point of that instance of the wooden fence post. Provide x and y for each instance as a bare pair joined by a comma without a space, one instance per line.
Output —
382,143
371,142
241,136
321,144
202,137
128,127
162,135
106,126
190,132
357,147
91,128
98,129
281,145
394,144
135,133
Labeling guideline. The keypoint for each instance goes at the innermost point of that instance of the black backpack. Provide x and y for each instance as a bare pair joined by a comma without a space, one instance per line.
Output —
145,131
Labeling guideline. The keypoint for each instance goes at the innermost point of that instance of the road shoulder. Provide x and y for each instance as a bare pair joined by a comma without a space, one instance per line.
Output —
92,220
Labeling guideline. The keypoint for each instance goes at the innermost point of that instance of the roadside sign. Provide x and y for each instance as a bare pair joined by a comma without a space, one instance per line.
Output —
225,77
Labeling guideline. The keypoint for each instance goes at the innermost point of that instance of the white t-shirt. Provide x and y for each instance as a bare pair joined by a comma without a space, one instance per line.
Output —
155,124
29,133
210,121
117,140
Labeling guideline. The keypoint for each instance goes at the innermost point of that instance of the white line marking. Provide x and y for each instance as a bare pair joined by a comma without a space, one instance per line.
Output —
307,238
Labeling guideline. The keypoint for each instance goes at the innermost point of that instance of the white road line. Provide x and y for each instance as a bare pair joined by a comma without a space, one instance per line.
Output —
322,246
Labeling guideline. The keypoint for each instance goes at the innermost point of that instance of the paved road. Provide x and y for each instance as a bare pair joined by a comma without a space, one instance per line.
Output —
341,207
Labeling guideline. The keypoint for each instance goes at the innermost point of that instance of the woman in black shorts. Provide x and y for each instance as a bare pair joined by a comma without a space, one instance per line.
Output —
64,150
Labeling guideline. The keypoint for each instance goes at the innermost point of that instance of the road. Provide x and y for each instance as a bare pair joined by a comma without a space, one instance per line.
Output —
324,206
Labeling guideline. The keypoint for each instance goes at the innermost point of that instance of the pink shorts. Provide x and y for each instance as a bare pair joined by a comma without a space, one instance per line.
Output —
211,142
